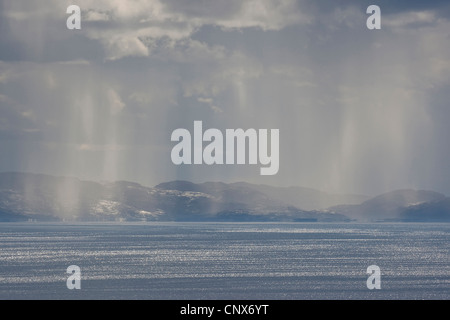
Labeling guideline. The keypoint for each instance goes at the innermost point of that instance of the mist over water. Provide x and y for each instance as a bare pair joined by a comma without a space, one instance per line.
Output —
224,261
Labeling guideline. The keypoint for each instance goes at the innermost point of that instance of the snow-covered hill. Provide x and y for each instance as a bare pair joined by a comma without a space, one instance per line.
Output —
25,196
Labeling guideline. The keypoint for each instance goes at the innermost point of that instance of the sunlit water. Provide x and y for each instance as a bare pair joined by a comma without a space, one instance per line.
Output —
224,261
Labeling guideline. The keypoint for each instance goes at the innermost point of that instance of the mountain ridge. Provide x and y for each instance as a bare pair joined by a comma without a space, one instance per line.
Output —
25,196
28,196
301,197
394,205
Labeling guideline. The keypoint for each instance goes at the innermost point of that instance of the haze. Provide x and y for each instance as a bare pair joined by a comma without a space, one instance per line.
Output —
359,111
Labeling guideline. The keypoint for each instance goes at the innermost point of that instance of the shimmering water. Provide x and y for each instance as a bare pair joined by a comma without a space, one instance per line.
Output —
224,261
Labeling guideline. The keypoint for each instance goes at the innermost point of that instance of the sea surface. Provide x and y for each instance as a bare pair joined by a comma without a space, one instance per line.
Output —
224,260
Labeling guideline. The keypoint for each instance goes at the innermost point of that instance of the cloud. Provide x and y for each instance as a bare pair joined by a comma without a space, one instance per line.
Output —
130,29
358,111
411,19
115,102
210,103
123,46
138,27
216,109
93,15
205,100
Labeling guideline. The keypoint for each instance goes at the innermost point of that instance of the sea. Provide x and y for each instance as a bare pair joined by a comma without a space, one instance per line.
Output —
214,261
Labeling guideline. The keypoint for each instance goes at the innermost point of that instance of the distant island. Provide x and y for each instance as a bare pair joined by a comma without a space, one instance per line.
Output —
38,197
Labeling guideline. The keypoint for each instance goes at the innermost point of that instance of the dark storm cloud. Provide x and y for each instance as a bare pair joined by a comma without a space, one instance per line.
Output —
27,34
387,6
209,9
395,7
358,110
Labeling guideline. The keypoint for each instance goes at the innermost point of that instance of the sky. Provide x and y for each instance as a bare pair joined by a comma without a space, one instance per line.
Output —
358,110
